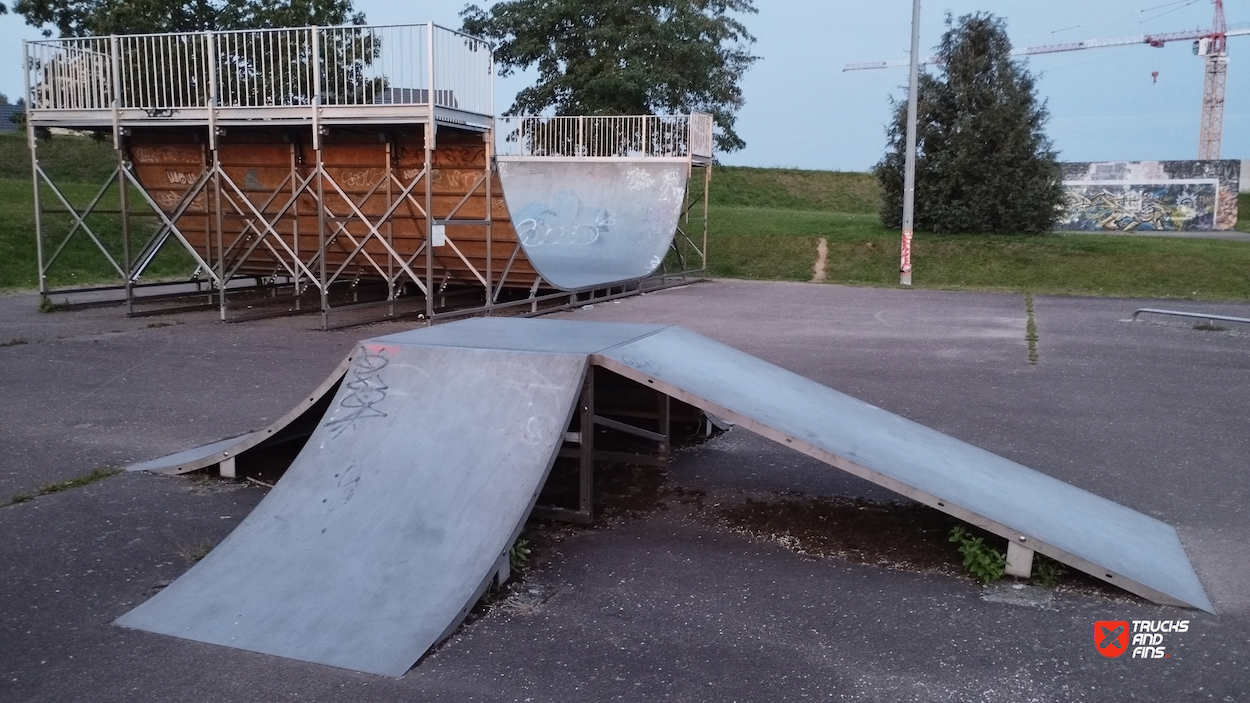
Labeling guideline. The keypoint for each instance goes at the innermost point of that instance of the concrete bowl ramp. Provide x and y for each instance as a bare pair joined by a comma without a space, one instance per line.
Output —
422,471
584,222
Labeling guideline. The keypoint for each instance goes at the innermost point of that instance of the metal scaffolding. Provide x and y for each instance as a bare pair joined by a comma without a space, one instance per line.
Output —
342,170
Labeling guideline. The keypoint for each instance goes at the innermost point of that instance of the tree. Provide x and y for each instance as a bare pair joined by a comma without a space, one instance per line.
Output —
627,57
983,162
80,18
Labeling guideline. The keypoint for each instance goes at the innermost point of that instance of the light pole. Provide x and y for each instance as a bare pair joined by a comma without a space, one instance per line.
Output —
909,172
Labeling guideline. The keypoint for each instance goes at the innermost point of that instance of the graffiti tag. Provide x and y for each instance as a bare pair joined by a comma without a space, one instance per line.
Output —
562,223
181,177
365,391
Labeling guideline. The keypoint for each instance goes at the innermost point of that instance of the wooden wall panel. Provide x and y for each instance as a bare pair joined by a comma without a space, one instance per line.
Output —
260,163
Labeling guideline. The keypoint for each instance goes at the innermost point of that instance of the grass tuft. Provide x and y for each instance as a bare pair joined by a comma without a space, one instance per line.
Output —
1030,328
85,479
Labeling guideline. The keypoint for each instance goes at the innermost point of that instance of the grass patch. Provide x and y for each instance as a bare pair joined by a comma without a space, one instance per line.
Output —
59,486
80,262
79,166
794,189
62,157
780,244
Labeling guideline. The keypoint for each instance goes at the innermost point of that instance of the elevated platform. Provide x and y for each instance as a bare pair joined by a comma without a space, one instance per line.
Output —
338,168
422,469
350,75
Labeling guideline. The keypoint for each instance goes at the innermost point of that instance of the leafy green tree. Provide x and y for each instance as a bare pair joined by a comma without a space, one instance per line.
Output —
79,18
983,161
625,57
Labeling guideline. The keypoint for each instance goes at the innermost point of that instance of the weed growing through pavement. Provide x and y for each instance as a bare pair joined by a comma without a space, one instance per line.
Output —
1047,571
519,555
195,551
85,479
46,305
982,561
1030,329
50,488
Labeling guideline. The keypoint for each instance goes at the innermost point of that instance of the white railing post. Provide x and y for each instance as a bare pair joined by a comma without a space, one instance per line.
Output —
210,42
117,93
315,76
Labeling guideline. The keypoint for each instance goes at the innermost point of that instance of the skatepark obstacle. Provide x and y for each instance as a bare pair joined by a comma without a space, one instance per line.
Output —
418,473
357,171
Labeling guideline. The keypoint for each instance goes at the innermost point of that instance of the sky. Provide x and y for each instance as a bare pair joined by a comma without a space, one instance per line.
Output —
803,111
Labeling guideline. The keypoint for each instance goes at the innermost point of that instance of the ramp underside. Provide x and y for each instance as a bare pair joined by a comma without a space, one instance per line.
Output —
390,522
585,223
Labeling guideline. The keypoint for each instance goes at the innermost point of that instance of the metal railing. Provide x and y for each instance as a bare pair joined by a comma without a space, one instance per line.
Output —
1210,318
342,66
630,136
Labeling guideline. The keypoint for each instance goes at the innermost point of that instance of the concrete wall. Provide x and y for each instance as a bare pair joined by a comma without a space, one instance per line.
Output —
1131,196
1245,175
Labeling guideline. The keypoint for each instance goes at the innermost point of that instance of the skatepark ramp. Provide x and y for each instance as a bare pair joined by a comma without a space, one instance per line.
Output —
382,182
410,490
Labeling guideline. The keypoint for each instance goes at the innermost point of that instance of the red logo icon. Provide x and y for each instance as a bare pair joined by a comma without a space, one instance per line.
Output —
1111,637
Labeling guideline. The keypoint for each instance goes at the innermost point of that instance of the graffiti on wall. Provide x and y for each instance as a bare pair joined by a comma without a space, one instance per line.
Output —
1127,207
1130,196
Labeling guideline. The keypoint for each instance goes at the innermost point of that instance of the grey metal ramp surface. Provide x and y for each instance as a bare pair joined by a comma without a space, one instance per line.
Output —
389,524
1106,539
293,422
584,222
525,334
192,459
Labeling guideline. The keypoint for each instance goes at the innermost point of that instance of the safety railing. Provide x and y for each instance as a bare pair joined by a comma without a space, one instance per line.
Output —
586,136
1209,317
342,66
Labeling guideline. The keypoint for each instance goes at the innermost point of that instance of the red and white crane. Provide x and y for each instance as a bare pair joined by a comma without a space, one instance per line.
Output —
1212,44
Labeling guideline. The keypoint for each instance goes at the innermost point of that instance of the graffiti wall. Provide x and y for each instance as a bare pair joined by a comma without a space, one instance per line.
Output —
1130,196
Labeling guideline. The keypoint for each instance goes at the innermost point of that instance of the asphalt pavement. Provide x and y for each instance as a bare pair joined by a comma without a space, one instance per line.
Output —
669,605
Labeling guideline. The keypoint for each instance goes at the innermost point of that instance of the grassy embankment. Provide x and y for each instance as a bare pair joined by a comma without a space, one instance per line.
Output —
765,223
79,167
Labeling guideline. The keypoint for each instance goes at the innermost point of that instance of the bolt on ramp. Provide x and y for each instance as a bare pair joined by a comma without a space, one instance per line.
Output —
418,479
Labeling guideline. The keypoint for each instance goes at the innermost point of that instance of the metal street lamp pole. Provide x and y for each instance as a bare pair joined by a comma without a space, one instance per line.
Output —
909,174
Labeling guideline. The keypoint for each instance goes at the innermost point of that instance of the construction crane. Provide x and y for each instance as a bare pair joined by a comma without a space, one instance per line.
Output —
1212,44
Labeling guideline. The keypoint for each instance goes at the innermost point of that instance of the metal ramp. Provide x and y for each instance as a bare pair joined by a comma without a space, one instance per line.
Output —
585,223
415,483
